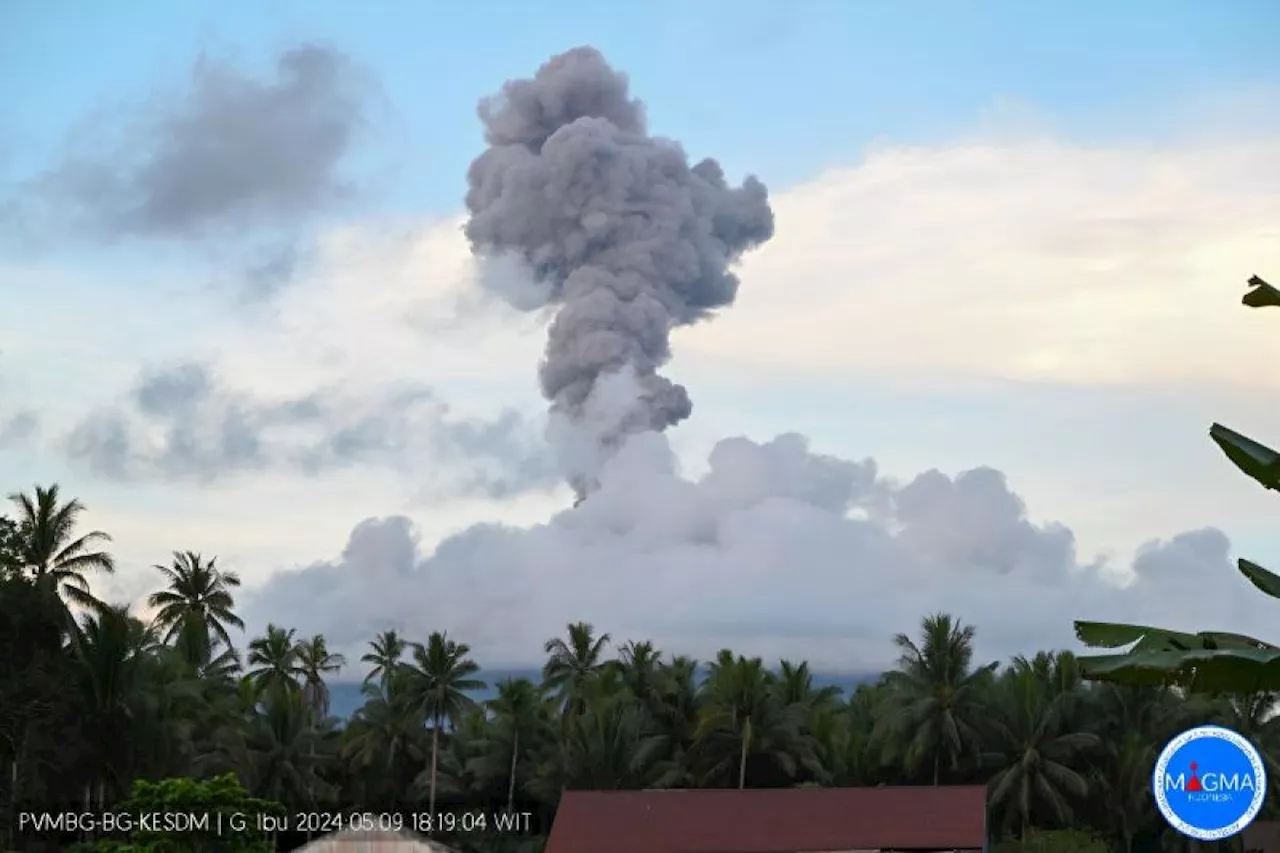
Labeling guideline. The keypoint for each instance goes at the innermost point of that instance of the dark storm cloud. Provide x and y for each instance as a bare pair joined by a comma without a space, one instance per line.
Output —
233,152
181,424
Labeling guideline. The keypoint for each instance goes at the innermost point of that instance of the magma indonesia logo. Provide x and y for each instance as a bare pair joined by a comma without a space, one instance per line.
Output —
1209,783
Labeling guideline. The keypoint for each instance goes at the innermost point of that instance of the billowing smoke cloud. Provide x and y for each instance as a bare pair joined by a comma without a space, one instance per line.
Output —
630,238
776,551
180,423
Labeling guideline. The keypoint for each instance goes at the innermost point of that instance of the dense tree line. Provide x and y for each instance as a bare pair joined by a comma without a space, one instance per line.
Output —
93,699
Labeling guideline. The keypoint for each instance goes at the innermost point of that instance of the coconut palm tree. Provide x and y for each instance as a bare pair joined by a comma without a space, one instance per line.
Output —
197,600
110,651
51,551
10,547
843,736
1123,784
1135,722
439,679
606,746
572,666
743,717
517,719
169,711
274,661
39,701
639,664
386,656
283,751
935,702
314,662
386,744
459,775
218,665
795,687
1038,747
677,695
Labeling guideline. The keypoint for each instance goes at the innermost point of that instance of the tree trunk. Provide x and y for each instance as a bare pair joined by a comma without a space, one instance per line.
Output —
937,760
88,806
311,779
435,754
13,795
742,760
511,785
1024,805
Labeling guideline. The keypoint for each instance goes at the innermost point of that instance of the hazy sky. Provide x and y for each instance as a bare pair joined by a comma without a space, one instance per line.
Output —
238,316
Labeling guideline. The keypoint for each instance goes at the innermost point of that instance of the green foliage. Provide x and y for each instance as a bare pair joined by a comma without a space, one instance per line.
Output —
10,559
1054,841
93,713
53,548
220,798
1208,662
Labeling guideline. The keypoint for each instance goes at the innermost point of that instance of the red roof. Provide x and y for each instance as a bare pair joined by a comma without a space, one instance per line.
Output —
770,820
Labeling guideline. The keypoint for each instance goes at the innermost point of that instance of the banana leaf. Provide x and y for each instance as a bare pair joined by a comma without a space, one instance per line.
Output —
1229,670
1257,460
1207,662
1261,294
1260,577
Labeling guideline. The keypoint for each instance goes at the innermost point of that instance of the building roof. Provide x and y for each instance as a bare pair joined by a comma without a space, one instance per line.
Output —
775,820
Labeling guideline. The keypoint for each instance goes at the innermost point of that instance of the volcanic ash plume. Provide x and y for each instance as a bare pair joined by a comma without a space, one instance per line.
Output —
627,238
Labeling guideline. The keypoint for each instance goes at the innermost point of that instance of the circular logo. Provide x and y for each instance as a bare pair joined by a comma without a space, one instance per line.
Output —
1209,783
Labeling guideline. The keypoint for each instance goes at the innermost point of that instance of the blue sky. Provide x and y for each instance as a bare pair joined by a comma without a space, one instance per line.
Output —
783,90
1010,236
